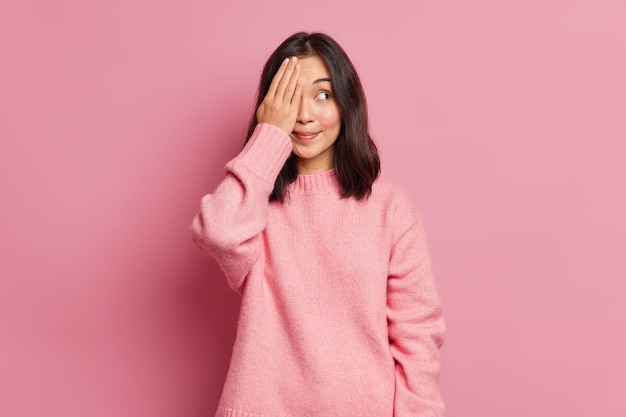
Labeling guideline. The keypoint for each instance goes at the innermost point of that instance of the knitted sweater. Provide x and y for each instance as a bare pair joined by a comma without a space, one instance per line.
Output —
339,314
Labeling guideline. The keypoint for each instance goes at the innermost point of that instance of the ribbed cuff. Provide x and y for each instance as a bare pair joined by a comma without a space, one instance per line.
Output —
266,151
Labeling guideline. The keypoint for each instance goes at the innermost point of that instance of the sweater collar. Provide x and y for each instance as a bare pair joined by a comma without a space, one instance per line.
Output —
319,183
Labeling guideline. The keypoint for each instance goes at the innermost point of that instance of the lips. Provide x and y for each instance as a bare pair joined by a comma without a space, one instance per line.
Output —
305,135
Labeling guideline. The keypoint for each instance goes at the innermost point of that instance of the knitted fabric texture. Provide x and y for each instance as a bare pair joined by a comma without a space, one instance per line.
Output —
339,315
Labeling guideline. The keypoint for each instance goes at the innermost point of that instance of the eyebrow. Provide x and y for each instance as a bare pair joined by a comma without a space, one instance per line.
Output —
321,80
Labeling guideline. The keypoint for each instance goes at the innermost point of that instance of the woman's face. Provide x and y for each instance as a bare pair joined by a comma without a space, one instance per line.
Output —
319,122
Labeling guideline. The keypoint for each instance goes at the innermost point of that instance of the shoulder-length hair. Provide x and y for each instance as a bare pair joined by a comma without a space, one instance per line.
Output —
357,163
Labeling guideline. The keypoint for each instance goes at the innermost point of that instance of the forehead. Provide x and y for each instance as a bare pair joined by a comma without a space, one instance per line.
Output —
312,68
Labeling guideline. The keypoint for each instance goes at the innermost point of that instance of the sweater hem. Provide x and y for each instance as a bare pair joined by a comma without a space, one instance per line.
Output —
231,412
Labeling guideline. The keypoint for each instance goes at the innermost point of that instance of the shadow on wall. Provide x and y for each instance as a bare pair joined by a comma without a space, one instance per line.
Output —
212,309
210,306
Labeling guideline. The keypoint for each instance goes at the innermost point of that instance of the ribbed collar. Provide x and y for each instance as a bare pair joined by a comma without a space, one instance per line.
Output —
319,183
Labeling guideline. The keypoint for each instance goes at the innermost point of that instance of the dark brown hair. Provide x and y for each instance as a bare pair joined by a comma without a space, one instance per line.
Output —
357,163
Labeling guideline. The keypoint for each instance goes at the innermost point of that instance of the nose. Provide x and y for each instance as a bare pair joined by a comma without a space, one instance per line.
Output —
305,112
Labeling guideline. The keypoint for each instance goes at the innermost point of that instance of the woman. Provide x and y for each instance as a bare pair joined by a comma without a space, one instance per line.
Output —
339,314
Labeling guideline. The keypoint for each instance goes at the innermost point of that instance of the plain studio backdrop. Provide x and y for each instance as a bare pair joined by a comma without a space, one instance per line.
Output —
505,120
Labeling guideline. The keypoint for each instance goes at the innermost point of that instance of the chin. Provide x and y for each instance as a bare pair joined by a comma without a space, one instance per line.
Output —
304,156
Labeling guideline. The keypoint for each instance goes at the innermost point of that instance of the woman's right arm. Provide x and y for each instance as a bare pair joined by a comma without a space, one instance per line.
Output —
232,218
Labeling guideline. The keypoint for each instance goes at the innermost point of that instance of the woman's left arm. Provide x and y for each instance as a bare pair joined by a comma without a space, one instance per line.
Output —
415,324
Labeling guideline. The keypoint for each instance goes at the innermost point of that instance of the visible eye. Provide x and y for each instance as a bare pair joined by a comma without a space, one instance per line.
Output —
324,95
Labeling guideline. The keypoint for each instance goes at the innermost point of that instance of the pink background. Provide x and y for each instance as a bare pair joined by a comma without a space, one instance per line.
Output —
506,120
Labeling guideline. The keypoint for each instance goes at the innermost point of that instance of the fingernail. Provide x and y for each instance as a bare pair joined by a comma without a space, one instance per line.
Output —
285,61
293,59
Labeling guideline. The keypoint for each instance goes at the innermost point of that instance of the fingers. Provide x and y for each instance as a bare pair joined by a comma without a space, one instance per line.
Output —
294,81
287,83
271,92
297,95
280,105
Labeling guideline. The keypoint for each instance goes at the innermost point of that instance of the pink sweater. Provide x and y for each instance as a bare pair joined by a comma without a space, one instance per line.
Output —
340,314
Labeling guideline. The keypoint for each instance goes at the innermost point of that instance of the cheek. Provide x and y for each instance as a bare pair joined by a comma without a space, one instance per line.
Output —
329,117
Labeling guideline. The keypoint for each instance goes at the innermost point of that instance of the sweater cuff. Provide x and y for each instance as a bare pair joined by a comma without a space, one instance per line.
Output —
266,151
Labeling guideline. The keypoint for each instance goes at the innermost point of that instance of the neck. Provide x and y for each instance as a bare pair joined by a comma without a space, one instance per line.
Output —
316,169
314,166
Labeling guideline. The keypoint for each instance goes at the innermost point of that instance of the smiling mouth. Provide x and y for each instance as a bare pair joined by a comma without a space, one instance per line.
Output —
305,135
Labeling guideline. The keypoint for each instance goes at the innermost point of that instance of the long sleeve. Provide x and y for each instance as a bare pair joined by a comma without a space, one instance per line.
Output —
415,325
231,219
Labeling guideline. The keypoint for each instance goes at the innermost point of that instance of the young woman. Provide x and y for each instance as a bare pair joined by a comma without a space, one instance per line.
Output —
340,314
